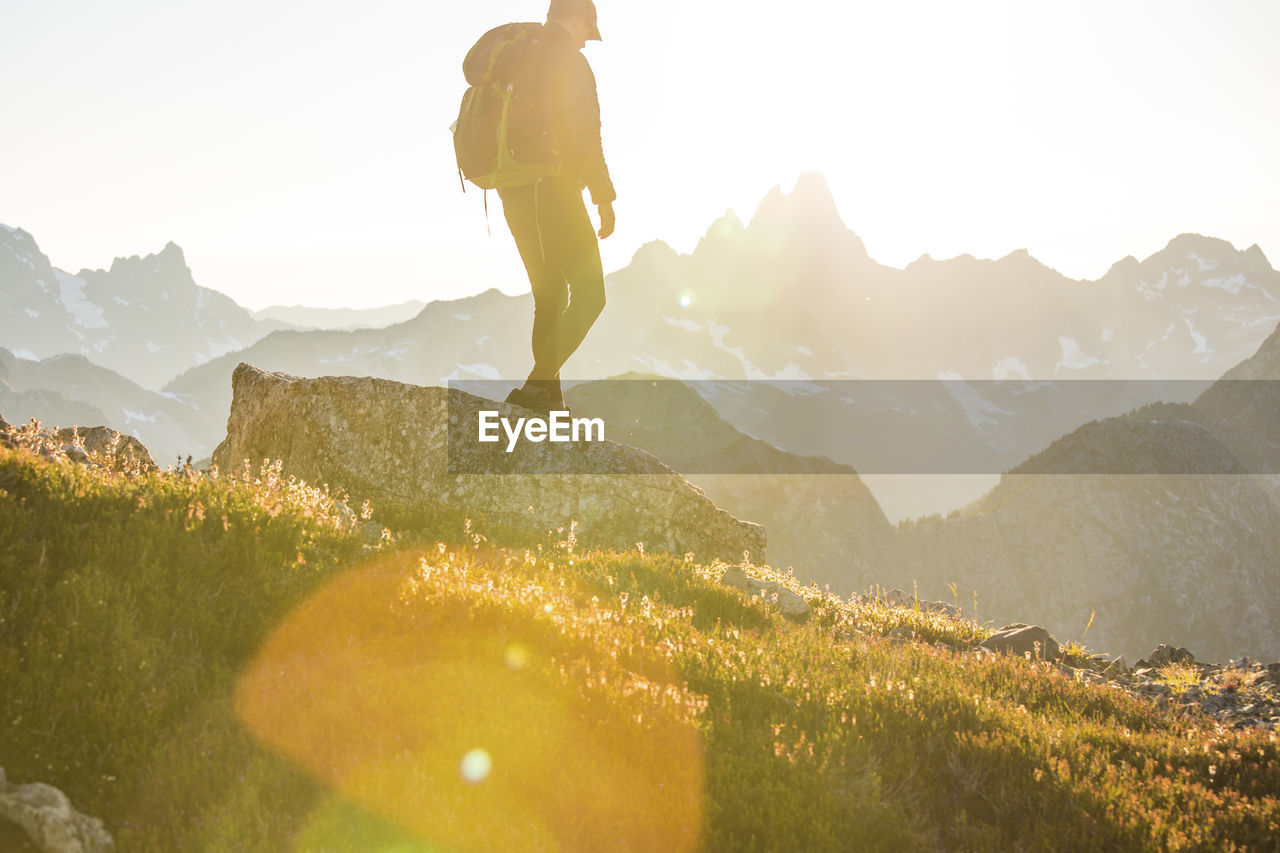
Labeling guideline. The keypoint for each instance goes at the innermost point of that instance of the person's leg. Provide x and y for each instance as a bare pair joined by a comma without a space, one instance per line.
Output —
569,241
521,206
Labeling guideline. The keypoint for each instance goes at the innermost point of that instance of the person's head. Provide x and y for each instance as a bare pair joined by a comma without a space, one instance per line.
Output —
578,17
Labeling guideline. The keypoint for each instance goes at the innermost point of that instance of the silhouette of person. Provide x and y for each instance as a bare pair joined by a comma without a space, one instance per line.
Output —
547,218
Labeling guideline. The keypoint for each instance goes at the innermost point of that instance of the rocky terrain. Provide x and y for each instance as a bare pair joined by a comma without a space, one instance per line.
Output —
390,442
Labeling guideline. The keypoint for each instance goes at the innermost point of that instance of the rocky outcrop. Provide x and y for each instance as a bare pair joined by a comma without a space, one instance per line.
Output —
108,448
898,598
789,603
98,447
390,442
1022,639
822,519
50,821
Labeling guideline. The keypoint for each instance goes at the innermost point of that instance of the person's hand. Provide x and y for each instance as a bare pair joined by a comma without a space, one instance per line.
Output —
606,219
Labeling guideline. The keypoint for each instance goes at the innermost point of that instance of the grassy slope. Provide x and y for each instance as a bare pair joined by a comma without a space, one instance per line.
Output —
217,666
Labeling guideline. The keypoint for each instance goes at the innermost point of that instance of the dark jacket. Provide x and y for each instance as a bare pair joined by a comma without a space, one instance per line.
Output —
556,112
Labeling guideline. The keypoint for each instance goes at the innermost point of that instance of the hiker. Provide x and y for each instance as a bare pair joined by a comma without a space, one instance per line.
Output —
555,125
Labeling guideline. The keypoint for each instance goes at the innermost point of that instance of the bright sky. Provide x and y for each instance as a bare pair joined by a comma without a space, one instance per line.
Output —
299,152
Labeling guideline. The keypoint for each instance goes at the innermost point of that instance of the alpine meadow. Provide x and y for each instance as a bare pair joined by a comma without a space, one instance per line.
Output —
584,426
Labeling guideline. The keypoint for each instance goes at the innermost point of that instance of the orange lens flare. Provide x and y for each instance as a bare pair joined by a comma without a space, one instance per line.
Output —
455,718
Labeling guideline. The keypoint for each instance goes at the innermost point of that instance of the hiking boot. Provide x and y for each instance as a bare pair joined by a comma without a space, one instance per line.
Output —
531,398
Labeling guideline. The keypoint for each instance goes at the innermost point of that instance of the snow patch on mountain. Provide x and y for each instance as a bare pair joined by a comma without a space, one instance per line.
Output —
220,348
1157,342
790,371
484,371
1010,367
717,333
689,371
793,373
71,294
184,399
977,409
1202,344
1232,284
1205,265
687,325
1073,357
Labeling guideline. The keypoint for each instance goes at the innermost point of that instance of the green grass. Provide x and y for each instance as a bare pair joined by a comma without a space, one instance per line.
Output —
222,666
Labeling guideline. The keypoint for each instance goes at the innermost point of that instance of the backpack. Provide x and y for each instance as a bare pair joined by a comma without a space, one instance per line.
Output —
498,108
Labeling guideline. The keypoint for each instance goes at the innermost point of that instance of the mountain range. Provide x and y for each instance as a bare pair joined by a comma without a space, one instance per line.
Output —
836,344
1149,556
790,296
145,317
304,317
1156,526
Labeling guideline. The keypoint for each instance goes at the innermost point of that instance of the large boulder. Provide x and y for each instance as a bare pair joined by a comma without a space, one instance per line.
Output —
391,442
1022,639
50,821
111,449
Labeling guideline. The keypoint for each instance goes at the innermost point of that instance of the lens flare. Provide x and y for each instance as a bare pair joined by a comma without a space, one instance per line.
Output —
475,766
469,720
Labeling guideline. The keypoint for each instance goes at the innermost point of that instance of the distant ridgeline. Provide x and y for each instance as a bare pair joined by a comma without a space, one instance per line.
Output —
793,298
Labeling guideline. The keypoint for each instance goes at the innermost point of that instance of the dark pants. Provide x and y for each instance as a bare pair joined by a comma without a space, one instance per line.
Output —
557,243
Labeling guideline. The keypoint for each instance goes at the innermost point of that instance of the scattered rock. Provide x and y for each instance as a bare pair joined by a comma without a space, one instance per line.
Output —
898,598
1116,668
1021,639
346,513
390,441
1165,655
1079,673
75,454
902,632
790,604
49,820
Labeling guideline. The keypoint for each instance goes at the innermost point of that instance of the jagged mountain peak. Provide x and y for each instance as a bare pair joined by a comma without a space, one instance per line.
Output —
169,261
1127,266
1257,259
654,251
21,245
728,230
806,218
1023,261
810,199
1189,246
